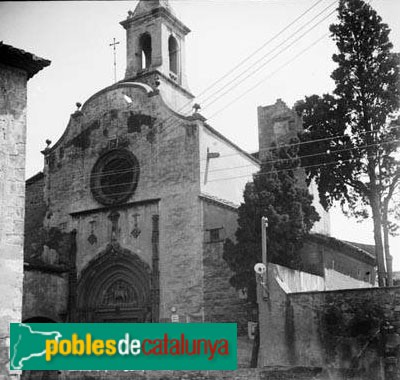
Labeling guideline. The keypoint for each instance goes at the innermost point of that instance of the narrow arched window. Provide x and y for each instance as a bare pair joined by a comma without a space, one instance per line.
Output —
145,50
173,50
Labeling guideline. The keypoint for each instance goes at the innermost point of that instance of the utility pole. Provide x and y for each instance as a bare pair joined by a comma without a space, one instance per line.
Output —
264,225
115,58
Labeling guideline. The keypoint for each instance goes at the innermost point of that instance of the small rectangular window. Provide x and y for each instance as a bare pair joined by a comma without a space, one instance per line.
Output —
215,235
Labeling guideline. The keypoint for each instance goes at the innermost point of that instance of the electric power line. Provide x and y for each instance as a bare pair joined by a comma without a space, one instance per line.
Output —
299,167
84,177
283,50
268,53
282,160
260,48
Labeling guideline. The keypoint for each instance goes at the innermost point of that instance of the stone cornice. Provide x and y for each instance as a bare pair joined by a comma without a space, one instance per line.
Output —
155,13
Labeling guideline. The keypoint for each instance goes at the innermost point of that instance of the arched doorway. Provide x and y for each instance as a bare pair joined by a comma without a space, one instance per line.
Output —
115,287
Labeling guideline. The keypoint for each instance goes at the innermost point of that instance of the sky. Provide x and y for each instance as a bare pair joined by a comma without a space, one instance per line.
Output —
292,60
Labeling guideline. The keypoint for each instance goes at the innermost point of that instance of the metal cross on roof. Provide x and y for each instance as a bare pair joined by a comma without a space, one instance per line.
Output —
115,58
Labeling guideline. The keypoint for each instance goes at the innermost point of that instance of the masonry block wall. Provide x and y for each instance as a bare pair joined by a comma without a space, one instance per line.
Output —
16,67
168,189
278,125
44,295
12,193
191,274
35,212
347,332
221,300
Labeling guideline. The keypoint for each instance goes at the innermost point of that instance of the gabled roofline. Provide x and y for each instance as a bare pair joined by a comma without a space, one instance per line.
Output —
219,202
122,84
233,145
36,177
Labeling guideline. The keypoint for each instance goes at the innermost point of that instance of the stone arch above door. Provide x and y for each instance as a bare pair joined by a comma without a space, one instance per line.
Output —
114,287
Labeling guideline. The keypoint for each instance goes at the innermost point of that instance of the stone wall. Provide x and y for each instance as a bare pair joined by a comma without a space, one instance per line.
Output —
35,211
221,300
279,125
45,294
293,373
12,193
349,333
166,148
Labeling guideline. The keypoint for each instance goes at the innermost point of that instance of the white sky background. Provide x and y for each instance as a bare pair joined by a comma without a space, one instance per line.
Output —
75,36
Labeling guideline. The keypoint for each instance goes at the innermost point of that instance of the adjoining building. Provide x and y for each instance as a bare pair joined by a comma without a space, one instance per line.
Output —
16,68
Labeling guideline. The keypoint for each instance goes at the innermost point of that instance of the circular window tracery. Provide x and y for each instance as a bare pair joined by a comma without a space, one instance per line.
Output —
114,177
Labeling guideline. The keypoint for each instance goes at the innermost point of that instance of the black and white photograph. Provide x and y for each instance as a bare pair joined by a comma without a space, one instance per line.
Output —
204,162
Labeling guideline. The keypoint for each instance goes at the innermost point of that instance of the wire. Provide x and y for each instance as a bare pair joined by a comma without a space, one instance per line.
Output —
270,52
106,174
288,62
302,143
243,61
96,176
284,160
187,104
293,22
297,168
260,48
269,76
248,175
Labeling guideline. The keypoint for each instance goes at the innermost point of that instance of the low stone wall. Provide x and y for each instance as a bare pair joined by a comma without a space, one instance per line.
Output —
45,294
293,373
352,333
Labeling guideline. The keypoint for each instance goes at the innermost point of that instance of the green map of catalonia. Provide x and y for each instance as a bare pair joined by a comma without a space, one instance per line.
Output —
29,340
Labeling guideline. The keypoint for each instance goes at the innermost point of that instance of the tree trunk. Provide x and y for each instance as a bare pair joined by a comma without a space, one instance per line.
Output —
380,258
389,258
385,212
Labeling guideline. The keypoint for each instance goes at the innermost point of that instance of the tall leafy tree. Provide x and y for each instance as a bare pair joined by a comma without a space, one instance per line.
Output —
277,194
354,161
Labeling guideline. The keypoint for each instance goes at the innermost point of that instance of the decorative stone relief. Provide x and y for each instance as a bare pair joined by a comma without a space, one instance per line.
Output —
92,239
136,230
119,292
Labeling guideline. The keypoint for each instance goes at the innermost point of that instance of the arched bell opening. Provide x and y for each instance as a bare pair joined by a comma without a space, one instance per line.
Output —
145,51
173,51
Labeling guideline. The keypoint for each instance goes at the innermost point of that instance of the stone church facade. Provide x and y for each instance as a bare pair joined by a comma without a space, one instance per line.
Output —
128,219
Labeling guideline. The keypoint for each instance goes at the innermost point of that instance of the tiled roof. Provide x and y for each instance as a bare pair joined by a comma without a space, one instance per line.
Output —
351,249
21,59
365,247
219,201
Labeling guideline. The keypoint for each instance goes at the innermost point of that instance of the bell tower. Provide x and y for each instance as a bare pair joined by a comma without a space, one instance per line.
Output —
155,40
